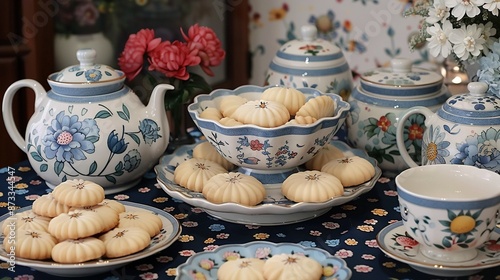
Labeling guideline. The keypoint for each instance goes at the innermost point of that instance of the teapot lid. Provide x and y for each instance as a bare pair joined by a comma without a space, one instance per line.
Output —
474,108
401,79
87,71
309,52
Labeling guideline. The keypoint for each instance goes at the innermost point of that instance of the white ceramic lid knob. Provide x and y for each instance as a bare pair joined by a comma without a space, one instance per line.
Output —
86,56
401,65
477,88
309,32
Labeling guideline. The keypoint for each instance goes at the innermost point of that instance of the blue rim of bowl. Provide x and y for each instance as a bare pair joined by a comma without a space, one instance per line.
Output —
344,270
248,129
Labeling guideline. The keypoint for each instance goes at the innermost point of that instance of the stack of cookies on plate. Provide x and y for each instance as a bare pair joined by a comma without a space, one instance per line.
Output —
75,223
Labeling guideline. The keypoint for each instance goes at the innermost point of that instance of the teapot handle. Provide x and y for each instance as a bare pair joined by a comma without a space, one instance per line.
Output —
8,118
400,132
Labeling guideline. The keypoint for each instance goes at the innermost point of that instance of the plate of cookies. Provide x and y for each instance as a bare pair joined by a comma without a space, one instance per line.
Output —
199,176
75,231
264,260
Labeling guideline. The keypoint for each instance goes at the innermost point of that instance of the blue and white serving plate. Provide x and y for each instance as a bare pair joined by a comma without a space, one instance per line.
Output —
396,244
167,236
207,263
274,210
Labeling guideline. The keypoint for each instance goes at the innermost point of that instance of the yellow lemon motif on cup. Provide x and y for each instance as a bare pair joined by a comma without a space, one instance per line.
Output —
462,224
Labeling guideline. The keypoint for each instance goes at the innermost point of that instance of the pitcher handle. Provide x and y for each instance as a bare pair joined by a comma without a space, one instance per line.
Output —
400,133
8,118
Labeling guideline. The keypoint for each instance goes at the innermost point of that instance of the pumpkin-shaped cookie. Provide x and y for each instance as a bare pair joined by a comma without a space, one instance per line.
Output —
262,113
143,219
31,244
193,173
78,193
229,122
26,220
291,266
303,120
292,98
121,242
211,113
323,156
234,187
351,171
241,269
76,224
113,204
47,206
311,186
108,215
318,107
78,250
205,150
229,103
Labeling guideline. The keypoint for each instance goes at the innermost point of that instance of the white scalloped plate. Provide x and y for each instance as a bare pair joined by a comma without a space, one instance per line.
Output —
262,250
275,209
168,235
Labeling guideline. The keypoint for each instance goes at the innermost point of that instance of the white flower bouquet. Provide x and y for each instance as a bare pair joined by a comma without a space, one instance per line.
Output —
466,30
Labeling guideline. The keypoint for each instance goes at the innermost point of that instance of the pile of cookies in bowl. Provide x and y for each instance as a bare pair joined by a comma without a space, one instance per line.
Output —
269,151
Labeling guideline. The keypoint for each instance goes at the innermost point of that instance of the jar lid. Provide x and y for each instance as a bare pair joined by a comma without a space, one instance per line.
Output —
309,52
474,108
401,79
87,71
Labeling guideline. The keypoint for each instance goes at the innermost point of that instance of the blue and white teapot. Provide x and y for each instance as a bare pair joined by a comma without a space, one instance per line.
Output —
90,126
465,130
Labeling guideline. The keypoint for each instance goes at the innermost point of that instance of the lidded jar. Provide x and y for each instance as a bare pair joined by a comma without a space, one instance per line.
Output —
311,62
465,130
377,102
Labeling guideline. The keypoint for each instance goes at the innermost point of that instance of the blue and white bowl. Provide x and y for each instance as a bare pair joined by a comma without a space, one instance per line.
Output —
266,151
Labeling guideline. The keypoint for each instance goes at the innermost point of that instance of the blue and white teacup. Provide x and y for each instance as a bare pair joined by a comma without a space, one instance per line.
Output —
449,209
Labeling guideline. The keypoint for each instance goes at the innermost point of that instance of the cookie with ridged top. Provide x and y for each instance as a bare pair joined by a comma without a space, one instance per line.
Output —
194,173
78,193
241,269
47,206
121,242
262,113
78,250
26,220
311,186
108,215
351,171
234,187
143,219
291,266
31,244
76,224
205,150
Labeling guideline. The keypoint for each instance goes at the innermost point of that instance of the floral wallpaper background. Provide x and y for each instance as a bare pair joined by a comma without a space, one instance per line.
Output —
369,32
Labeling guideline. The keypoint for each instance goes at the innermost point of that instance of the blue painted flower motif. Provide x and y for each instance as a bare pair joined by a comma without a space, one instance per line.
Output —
434,147
131,160
216,227
480,150
93,75
332,242
115,144
149,130
307,243
68,139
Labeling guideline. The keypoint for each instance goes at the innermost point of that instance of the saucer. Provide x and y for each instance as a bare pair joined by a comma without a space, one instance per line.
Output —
275,209
488,254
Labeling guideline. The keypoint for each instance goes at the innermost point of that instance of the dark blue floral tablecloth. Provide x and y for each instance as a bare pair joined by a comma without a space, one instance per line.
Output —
347,231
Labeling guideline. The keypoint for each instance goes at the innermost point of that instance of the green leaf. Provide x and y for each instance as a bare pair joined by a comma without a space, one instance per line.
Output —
134,137
44,167
119,166
102,114
122,115
111,179
58,167
93,167
126,111
36,156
